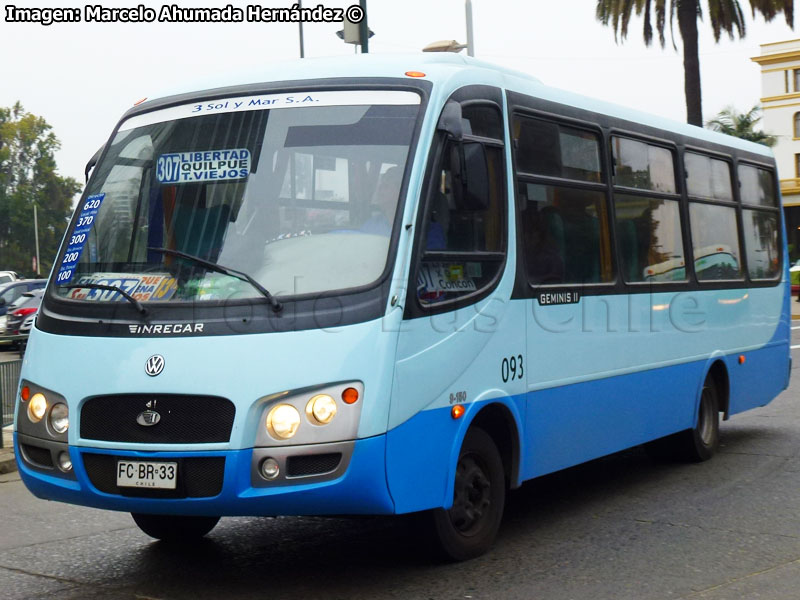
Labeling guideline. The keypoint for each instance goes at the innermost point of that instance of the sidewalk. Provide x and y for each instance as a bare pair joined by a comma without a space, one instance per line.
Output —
795,308
7,463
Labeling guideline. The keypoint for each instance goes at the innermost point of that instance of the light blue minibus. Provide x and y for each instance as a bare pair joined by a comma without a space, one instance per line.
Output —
388,285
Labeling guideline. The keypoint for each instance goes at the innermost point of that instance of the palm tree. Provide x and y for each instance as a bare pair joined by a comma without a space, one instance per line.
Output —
723,15
741,125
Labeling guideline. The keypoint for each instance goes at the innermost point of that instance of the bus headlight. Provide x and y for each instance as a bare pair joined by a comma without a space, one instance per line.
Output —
37,407
321,409
59,418
283,421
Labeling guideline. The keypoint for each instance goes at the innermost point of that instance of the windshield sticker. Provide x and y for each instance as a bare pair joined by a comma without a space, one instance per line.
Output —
144,288
78,238
208,165
273,101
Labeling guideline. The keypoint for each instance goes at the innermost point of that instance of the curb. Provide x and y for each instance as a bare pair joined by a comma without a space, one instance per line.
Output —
7,463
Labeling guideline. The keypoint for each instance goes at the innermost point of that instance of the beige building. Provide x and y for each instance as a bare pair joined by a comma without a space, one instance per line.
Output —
780,91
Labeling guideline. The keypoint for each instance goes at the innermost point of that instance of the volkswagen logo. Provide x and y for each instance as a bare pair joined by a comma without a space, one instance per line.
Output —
148,418
154,366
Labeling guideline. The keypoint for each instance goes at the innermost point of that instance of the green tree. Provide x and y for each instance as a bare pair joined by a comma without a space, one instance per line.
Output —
723,16
741,125
27,177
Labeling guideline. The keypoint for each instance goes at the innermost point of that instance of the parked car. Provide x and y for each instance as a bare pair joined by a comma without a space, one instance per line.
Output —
13,290
8,277
21,315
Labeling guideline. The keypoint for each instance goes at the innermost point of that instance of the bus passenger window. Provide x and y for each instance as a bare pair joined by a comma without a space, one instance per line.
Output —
757,186
715,233
715,241
643,166
566,235
761,221
761,234
651,241
565,227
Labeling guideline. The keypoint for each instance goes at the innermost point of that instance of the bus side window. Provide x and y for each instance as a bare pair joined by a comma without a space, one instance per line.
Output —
565,226
761,219
648,212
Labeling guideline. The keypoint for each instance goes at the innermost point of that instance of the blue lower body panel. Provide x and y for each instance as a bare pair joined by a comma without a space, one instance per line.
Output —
411,467
361,490
568,425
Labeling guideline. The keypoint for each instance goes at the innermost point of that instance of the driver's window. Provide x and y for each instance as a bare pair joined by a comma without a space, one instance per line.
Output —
464,225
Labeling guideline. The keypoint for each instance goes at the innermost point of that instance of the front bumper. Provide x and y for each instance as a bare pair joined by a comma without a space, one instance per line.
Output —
360,488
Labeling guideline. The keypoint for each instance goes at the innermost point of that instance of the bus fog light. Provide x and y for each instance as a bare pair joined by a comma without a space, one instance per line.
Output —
59,418
321,409
283,421
64,462
37,407
270,468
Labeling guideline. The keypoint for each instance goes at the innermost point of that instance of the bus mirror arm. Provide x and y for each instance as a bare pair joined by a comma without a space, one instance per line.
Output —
450,121
92,162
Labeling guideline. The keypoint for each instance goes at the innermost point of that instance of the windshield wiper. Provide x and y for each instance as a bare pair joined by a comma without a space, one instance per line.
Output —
113,288
276,306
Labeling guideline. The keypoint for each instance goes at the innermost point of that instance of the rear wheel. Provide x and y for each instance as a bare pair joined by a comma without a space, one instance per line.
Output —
699,443
172,528
469,527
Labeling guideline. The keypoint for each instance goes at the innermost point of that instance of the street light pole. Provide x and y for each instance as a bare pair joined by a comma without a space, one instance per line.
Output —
363,29
302,49
470,40
36,236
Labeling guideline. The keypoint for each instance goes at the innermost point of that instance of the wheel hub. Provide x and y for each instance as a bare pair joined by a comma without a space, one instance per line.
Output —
472,495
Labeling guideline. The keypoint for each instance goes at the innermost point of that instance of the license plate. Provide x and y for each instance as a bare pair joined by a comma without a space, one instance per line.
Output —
154,475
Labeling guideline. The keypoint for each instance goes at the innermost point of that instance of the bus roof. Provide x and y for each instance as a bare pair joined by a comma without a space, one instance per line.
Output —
439,67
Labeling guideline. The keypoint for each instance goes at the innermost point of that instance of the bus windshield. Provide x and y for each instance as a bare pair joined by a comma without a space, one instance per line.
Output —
298,191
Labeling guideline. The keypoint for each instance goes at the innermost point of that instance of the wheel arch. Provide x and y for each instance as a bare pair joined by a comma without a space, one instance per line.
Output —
497,420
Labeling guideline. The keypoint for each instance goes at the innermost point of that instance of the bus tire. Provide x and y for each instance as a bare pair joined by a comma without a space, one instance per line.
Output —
469,527
174,528
701,442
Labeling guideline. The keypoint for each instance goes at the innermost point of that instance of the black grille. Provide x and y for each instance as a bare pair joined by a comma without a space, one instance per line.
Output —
40,457
198,477
312,464
183,419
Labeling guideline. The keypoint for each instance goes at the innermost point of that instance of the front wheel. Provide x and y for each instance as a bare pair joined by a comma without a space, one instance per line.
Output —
469,527
172,528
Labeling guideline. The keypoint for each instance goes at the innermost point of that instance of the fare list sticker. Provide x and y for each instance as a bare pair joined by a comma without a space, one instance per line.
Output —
78,238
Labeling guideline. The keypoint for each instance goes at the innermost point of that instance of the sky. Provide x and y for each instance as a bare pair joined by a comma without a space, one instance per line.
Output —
81,77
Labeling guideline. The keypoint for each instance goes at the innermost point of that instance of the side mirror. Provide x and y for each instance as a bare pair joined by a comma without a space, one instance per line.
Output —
92,162
2,301
450,121
470,167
